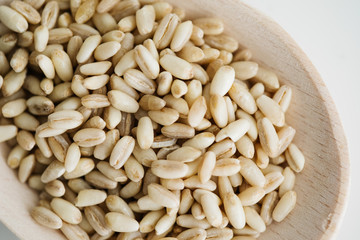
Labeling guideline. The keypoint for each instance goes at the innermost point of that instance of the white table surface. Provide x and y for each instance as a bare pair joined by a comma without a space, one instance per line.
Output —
329,33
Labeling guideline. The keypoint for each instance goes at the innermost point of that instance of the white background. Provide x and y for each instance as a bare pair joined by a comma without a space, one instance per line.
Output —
329,33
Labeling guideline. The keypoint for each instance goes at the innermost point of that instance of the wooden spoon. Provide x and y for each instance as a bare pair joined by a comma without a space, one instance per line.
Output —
322,187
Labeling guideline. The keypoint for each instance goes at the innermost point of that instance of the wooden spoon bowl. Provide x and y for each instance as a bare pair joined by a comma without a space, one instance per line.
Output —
322,187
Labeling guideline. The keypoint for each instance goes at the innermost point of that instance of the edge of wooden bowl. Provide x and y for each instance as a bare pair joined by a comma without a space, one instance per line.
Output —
334,220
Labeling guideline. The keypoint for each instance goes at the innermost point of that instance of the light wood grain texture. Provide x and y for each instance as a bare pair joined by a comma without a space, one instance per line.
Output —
323,185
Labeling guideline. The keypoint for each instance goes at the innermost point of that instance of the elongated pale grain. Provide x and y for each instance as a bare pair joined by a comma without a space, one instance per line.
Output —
295,158
96,68
46,66
26,167
285,205
66,211
46,217
121,223
85,11
89,137
168,169
145,19
251,195
87,48
222,42
177,67
268,137
242,97
245,69
72,157
178,130
197,111
210,26
251,172
147,224
127,61
12,19
165,31
139,81
50,14
207,166
106,50
181,36
201,141
14,108
234,130
95,101
84,166
162,196
89,197
147,63
96,82
145,133
211,210
53,171
133,169
122,101
151,102
226,167
65,119
222,81
122,151
268,78
271,110
116,204
254,220
234,210
218,110
74,232
96,218
184,154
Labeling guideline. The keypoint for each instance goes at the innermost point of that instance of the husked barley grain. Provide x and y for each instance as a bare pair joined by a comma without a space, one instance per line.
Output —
121,223
177,67
96,218
73,231
121,151
251,195
26,167
122,101
87,48
12,19
181,36
168,169
251,172
254,220
162,196
84,166
285,205
245,70
46,217
210,26
89,197
46,66
222,81
50,14
66,211
268,78
242,97
295,158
